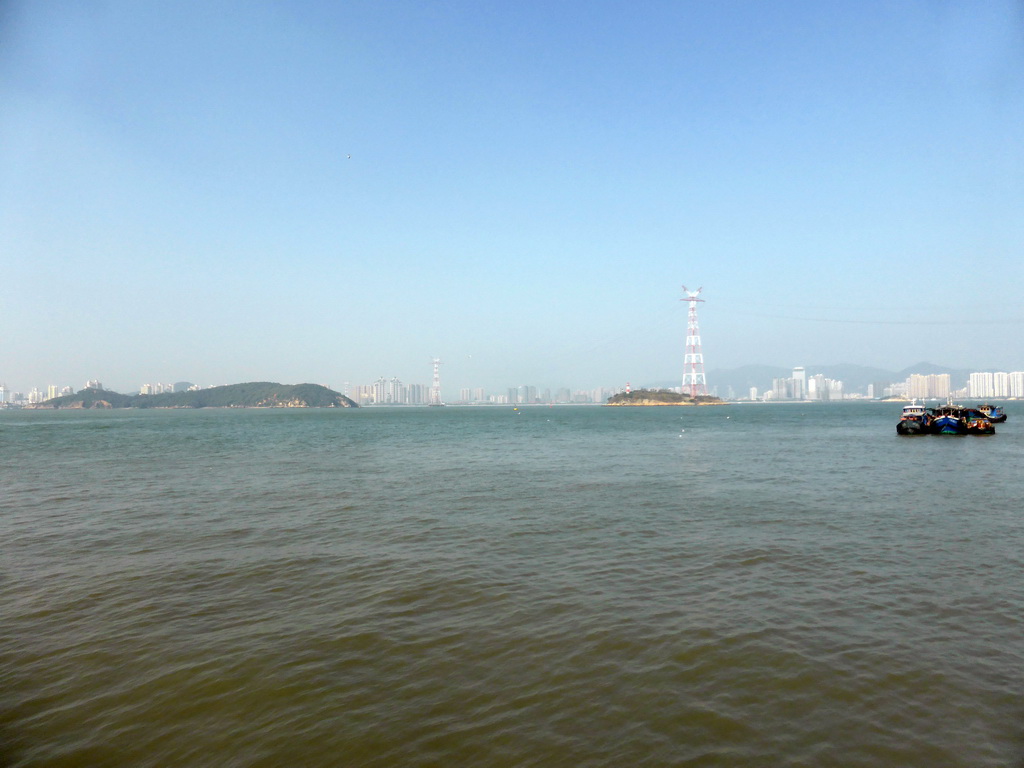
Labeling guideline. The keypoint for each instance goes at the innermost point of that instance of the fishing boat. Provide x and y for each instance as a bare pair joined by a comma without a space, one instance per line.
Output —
952,419
978,422
915,420
994,413
948,419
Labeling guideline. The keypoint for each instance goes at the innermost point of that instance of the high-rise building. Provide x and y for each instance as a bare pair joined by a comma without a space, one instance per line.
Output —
878,388
1016,383
1000,384
799,383
817,387
917,386
417,394
980,385
935,385
526,394
939,385
388,392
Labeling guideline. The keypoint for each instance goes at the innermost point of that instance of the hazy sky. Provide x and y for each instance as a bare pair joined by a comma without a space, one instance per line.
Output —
529,185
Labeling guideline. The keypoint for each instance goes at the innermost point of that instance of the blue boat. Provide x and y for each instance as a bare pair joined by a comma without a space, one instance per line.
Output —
950,419
947,420
994,413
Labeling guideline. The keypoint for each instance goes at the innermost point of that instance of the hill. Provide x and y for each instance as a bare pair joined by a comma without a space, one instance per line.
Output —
659,397
257,394
90,398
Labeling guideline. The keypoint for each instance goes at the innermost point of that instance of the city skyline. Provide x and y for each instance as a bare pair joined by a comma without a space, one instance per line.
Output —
329,192
800,385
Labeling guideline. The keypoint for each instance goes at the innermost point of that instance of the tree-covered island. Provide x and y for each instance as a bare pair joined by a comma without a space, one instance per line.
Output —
256,394
660,397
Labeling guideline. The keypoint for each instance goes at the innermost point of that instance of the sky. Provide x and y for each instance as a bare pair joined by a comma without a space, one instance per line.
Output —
338,191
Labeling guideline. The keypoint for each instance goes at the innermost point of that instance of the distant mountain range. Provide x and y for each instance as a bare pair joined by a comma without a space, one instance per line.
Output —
855,378
256,394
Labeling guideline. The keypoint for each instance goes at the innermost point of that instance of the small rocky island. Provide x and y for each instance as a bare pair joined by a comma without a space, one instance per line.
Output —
660,397
256,394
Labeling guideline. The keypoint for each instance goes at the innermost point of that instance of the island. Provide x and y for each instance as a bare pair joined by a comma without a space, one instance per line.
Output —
661,397
256,394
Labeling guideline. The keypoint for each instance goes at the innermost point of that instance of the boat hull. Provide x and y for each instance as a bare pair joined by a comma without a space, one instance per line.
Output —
911,427
979,426
948,425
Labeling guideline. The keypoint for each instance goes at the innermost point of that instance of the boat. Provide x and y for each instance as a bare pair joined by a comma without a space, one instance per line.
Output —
978,422
948,419
915,420
994,413
952,419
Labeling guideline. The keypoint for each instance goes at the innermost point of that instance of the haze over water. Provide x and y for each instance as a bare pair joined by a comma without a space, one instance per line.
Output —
738,585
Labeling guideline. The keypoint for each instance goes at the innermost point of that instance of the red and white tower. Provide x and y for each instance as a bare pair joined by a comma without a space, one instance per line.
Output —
693,363
435,388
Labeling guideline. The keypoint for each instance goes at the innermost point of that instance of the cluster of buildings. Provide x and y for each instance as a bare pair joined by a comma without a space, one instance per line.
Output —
984,385
36,395
936,386
393,392
981,385
159,389
389,392
800,386
527,395
996,385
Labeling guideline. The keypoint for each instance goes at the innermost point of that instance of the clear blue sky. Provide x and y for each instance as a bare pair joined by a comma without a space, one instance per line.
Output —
529,185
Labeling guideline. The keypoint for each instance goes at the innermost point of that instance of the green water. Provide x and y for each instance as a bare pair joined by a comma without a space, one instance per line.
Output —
736,586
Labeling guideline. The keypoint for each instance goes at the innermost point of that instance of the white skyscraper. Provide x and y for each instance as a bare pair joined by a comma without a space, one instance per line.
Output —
1017,384
1000,384
799,383
980,385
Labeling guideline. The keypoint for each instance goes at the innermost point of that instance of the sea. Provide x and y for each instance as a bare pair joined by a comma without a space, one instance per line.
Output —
740,585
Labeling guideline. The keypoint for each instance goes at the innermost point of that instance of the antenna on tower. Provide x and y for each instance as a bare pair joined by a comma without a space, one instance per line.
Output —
693,362
435,388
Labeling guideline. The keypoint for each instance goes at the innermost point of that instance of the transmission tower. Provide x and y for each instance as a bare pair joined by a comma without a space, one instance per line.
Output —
693,363
435,388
